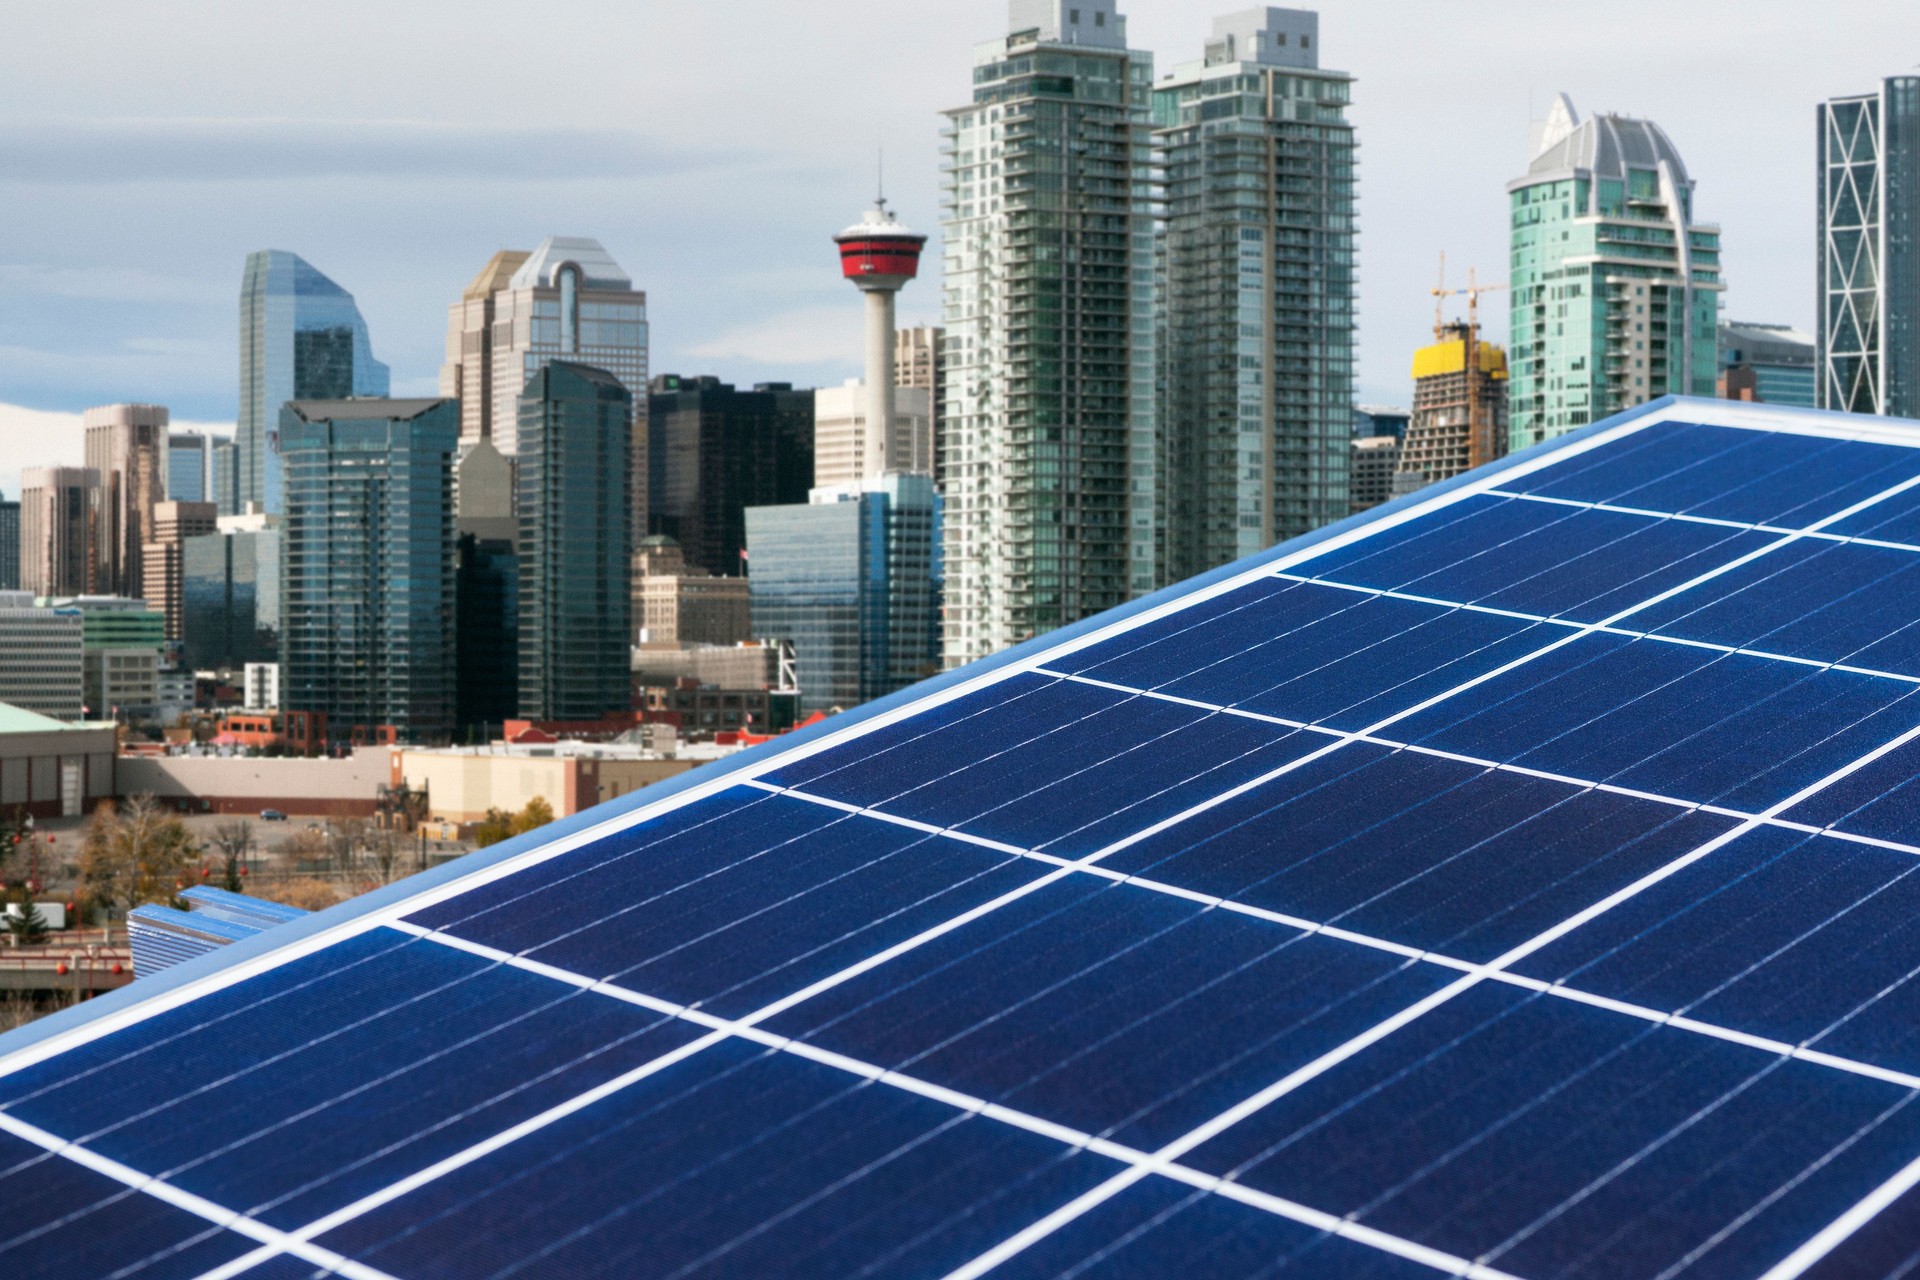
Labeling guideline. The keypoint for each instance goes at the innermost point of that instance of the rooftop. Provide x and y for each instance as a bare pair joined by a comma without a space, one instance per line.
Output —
598,270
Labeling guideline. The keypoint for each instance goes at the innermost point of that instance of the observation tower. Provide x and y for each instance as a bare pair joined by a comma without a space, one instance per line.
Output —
879,255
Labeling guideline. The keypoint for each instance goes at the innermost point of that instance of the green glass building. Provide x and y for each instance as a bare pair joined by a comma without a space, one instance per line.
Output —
1615,286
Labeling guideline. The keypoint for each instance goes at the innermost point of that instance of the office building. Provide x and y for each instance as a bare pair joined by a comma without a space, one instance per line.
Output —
467,376
712,451
486,633
224,477
842,450
675,605
58,507
367,594
1380,420
40,662
301,338
163,565
1050,472
1868,216
126,448
1771,363
121,640
851,579
1616,283
187,466
920,366
230,591
1258,162
576,543
1459,407
9,545
262,685
1371,470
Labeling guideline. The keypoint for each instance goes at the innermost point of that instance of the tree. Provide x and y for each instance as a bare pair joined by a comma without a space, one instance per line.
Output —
234,840
134,854
499,825
27,925
538,813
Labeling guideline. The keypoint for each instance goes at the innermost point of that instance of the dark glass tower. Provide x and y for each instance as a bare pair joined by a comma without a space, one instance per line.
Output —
368,579
575,624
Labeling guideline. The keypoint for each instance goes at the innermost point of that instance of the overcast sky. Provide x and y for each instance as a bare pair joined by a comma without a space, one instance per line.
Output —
713,146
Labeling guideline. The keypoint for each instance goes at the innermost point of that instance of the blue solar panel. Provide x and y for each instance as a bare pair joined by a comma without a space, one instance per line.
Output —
1518,881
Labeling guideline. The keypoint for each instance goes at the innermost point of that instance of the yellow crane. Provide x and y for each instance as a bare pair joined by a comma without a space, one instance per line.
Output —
1480,444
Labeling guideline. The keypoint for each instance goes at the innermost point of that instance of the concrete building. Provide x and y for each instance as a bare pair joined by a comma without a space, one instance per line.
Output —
48,768
230,591
1459,407
756,664
675,605
126,448
328,787
1257,157
1374,463
187,454
842,450
163,559
1615,285
1868,229
920,365
463,783
121,641
467,376
851,579
713,451
224,476
262,686
367,595
301,338
1049,456
58,508
1772,363
40,662
9,545
576,543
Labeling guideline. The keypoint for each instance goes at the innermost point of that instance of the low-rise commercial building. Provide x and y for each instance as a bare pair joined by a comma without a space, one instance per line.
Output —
463,783
51,768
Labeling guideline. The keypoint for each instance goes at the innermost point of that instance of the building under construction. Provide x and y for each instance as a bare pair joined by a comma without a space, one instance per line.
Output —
1459,421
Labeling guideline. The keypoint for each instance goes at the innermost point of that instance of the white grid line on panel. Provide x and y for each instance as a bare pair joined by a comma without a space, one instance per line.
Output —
1614,509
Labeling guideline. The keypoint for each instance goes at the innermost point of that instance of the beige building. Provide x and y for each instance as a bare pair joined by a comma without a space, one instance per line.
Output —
58,509
675,605
462,783
161,559
127,449
52,769
840,453
340,786
467,375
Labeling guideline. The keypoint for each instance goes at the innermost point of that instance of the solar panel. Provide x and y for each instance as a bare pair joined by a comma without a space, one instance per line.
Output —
1520,880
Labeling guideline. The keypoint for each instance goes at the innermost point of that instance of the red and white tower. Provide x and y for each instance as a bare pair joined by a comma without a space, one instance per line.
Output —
879,255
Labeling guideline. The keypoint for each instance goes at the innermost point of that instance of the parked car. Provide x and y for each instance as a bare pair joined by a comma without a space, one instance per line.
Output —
272,815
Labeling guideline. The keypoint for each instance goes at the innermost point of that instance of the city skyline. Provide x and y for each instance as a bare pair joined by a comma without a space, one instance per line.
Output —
106,308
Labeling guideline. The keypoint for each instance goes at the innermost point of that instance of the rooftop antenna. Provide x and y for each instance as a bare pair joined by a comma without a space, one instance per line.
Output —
880,178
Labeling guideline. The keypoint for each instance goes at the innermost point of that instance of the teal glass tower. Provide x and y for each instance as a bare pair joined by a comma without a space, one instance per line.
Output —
1615,285
576,523
368,576
301,338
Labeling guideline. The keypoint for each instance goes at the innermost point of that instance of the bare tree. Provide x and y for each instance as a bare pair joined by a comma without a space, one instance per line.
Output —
234,840
133,854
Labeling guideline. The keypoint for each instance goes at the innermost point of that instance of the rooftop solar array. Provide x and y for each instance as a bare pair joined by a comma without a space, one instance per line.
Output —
1523,880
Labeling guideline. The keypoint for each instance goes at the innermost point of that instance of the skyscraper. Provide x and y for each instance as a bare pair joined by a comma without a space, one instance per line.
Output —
164,559
486,633
187,466
576,543
301,338
223,473
1615,284
126,448
368,585
467,376
57,516
230,592
712,451
1459,407
9,545
1257,157
1868,158
1051,486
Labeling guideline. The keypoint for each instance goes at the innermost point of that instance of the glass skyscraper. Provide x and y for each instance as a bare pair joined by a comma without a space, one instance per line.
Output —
223,473
852,579
575,623
367,587
1615,285
301,338
1048,455
1869,263
1257,272
230,595
187,467
9,545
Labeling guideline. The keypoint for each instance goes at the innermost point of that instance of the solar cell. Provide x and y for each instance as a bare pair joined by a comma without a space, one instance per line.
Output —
1517,881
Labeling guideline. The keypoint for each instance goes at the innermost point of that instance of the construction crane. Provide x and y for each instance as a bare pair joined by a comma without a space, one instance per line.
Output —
1480,445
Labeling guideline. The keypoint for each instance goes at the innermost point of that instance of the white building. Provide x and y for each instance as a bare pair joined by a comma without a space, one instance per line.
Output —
262,686
40,650
840,433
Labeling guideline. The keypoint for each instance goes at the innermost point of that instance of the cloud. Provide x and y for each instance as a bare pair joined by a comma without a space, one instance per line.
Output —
106,284
116,151
810,335
53,438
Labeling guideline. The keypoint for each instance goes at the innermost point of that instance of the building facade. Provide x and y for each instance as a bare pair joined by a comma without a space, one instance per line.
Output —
852,580
1773,363
1381,420
467,376
1615,284
841,454
1868,164
230,592
1374,463
1258,163
121,640
486,593
187,467
675,606
163,564
223,474
301,338
1459,407
126,448
711,452
1049,458
40,656
367,591
9,545
58,506
576,543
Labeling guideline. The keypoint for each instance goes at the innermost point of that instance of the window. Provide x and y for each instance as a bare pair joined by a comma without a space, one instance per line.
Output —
1073,16
1303,42
1099,19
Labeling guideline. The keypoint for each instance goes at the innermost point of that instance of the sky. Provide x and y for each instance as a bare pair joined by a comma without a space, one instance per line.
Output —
715,146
